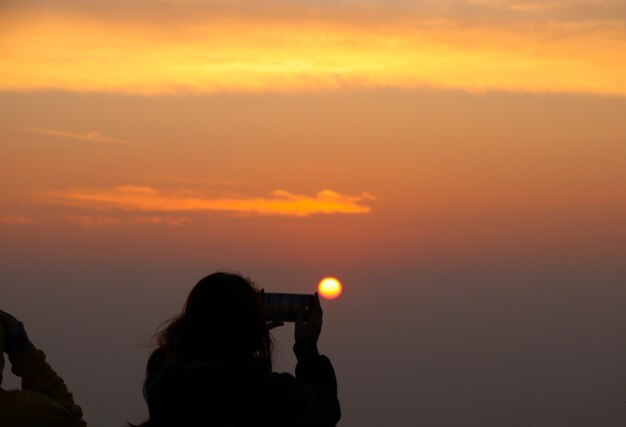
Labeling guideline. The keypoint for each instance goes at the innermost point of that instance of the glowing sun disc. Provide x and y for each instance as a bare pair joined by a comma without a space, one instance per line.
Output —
329,288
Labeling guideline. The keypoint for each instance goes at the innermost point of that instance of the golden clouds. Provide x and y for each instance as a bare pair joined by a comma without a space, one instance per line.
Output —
146,199
76,53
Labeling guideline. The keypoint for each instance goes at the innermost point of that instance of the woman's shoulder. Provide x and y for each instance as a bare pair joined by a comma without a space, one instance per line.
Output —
285,379
293,402
289,387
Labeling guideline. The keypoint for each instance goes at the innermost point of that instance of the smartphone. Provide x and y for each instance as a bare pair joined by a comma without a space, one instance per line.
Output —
288,307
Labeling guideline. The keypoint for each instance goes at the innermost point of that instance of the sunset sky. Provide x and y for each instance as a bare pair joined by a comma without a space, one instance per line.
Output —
460,165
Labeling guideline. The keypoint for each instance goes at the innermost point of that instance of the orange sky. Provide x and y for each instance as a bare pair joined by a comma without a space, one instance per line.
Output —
458,164
427,173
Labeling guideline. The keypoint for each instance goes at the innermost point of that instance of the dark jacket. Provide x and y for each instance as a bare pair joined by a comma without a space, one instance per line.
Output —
236,393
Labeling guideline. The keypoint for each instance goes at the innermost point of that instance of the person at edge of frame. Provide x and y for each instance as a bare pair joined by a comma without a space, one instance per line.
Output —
44,400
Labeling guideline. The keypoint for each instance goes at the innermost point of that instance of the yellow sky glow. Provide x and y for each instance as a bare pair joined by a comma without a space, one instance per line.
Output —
280,203
75,53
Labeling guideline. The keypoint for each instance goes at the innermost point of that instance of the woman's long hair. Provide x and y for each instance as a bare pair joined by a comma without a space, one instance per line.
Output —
223,317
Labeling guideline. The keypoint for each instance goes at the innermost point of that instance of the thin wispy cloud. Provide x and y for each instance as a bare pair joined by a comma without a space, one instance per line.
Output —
91,136
549,5
181,180
16,220
97,221
278,203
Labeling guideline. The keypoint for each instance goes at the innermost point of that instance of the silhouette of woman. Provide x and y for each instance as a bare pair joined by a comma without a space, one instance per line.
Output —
213,365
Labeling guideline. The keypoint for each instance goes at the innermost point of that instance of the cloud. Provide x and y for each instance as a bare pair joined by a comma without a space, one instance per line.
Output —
16,220
279,203
92,136
93,221
107,221
485,45
550,5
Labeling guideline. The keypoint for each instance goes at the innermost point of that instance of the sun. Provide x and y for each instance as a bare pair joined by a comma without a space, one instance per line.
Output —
329,288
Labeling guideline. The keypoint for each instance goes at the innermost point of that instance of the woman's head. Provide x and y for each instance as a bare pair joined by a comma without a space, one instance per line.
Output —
223,317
